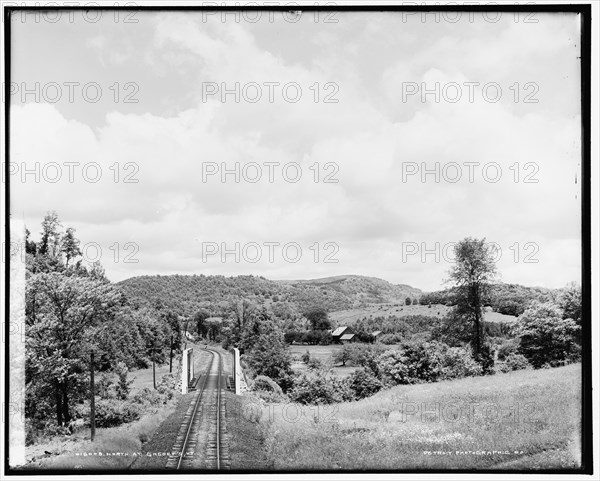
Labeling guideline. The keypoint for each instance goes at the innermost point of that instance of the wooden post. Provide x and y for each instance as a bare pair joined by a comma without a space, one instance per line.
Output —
171,356
154,368
92,399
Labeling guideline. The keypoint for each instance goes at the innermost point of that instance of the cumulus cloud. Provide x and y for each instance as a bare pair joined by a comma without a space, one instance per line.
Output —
368,144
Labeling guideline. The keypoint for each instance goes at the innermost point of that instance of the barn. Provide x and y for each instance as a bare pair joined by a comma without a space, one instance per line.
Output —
346,338
341,331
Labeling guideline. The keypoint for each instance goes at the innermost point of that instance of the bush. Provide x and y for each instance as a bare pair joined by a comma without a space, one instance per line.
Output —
391,338
486,359
546,338
114,412
458,362
320,390
516,362
166,387
364,383
426,362
305,357
507,348
314,363
268,390
393,368
265,383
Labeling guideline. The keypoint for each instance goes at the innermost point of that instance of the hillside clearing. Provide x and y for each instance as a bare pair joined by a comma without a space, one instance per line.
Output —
505,421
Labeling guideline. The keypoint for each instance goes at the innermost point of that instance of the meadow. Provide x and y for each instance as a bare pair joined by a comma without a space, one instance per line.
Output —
527,419
349,316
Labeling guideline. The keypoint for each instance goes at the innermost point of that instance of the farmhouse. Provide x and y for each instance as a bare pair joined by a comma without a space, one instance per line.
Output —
376,334
341,331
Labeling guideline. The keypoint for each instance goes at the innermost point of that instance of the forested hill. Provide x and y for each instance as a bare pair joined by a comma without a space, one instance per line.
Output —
509,299
187,294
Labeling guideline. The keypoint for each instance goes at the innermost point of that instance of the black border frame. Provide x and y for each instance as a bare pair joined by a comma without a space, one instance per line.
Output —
585,12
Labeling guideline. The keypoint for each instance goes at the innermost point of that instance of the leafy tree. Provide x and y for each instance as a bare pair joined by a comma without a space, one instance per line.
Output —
364,383
545,337
269,356
200,321
451,329
318,319
70,245
408,301
472,274
123,384
50,235
320,390
343,355
30,247
570,302
62,314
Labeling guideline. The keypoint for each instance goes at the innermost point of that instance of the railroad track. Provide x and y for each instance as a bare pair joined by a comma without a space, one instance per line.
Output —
199,442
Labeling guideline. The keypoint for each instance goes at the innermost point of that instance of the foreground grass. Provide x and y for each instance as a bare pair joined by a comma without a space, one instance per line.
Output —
79,452
520,420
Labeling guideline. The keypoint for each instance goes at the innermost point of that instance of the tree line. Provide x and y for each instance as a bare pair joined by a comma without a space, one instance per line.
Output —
73,310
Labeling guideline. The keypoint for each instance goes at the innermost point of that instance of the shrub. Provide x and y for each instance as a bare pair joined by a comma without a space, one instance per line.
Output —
516,362
485,359
507,348
320,390
166,387
458,362
393,367
265,383
267,389
314,363
147,396
546,338
305,357
363,383
391,338
114,412
417,362
123,385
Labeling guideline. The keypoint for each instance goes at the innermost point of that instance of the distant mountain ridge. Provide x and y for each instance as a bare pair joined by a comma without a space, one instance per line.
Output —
188,293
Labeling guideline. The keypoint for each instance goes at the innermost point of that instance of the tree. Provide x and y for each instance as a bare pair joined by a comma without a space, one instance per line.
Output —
30,247
364,383
473,272
343,355
62,314
408,301
570,302
545,337
70,245
318,319
200,320
50,235
270,356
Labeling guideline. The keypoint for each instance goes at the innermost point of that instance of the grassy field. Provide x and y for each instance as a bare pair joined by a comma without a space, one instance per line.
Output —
350,316
323,354
520,420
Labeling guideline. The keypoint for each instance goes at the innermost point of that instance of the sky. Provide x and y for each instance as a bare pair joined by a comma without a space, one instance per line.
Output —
297,145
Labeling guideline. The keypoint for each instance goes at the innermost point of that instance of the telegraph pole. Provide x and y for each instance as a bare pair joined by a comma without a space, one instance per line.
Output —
92,398
171,356
154,367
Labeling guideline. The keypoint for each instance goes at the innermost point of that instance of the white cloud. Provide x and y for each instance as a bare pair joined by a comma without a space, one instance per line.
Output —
370,136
